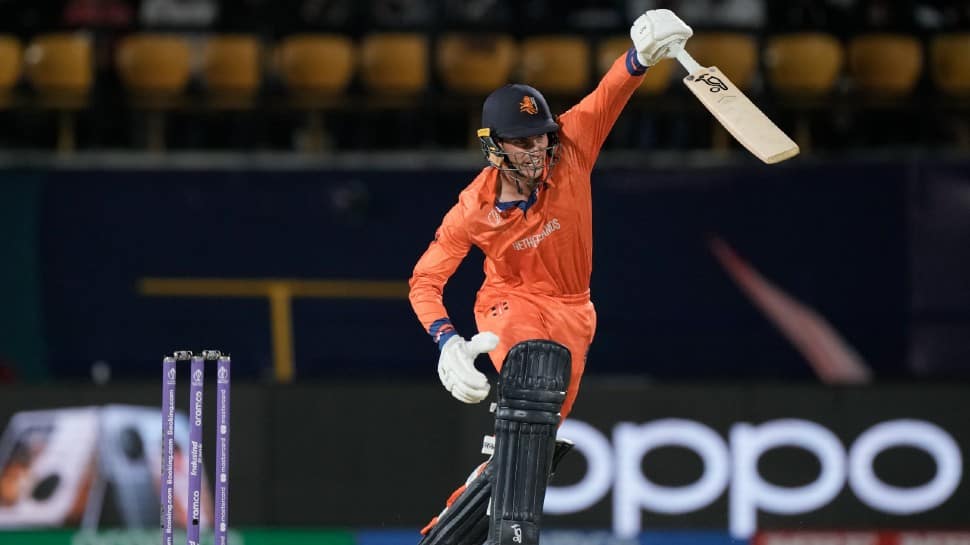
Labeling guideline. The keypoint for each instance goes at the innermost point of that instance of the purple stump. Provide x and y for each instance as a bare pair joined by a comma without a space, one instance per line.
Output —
168,446
221,522
194,501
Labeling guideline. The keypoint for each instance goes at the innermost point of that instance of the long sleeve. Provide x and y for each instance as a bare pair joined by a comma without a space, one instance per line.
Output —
449,247
588,123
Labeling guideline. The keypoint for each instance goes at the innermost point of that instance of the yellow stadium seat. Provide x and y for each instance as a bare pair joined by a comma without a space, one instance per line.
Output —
154,64
394,63
949,58
60,63
60,67
950,63
232,65
885,64
475,63
316,70
556,64
11,65
316,64
657,78
155,70
803,63
803,66
734,53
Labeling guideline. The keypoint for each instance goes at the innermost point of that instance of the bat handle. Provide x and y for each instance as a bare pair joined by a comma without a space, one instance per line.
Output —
686,60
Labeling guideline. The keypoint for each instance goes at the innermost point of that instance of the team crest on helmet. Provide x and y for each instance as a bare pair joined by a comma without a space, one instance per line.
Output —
528,105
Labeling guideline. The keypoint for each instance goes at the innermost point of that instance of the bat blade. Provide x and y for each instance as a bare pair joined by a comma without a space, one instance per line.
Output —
745,121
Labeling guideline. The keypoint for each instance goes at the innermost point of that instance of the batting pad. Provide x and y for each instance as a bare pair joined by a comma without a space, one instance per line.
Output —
531,392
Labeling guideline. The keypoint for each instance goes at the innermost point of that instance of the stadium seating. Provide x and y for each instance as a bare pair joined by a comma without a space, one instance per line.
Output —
155,70
803,69
60,64
949,58
395,63
316,67
60,68
316,70
11,65
475,64
885,65
803,63
154,65
950,63
442,75
556,65
232,69
469,67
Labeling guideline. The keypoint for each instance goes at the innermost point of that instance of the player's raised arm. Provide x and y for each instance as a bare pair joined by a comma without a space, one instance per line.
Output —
655,35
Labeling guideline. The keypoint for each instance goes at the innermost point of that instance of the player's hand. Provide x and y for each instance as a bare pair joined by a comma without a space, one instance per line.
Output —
456,366
658,34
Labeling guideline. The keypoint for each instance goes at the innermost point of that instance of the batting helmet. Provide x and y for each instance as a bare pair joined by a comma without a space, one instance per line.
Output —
517,110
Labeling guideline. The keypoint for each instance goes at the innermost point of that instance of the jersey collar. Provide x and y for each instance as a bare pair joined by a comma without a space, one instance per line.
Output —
491,189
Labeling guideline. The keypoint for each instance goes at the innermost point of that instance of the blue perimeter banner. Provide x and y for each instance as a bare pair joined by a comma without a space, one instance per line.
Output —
833,237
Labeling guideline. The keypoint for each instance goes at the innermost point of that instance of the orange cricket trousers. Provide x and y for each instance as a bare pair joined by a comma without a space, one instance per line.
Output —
517,317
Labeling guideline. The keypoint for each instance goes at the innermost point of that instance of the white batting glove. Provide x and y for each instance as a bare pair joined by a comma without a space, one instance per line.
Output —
658,34
456,366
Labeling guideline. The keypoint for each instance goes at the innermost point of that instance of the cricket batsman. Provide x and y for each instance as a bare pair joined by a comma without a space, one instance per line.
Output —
529,211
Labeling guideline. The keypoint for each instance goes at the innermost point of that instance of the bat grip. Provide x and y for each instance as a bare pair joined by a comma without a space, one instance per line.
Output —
686,60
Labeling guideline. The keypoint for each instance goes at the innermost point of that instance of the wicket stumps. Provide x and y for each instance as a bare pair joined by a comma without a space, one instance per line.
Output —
195,465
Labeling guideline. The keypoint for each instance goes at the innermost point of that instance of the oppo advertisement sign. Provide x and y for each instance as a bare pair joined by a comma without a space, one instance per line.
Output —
730,466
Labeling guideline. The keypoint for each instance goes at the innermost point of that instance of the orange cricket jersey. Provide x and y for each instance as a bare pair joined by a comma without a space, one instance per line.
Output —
546,249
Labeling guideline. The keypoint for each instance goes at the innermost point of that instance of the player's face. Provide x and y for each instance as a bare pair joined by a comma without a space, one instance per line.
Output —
528,154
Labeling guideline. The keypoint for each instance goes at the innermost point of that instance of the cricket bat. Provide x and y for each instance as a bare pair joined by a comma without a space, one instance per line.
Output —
746,123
